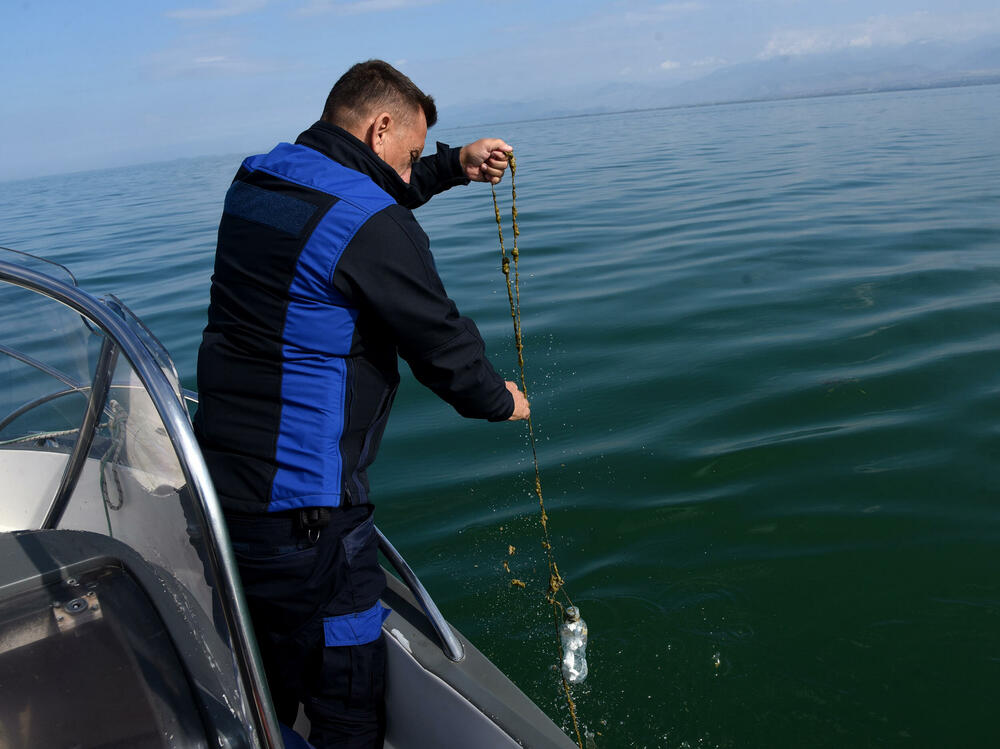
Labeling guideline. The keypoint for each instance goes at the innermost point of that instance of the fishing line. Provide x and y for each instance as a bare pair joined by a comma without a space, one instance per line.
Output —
556,582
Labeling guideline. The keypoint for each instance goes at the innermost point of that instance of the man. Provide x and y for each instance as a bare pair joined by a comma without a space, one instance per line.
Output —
322,275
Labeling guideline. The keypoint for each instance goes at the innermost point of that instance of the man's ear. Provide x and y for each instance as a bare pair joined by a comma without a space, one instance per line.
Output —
377,132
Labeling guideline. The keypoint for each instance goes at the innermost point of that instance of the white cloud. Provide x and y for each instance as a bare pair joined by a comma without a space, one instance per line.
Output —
708,62
794,42
354,7
669,65
209,56
222,9
880,31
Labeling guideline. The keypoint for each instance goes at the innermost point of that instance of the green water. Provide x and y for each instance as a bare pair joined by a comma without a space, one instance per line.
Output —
763,352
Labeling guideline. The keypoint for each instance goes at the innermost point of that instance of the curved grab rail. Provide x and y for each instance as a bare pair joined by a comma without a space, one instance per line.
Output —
41,366
453,647
103,373
34,403
178,426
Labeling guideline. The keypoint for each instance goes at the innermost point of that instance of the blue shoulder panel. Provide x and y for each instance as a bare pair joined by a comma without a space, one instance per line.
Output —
308,167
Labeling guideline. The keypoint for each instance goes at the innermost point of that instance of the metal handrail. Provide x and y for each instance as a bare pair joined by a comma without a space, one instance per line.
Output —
41,400
41,366
178,426
103,373
453,647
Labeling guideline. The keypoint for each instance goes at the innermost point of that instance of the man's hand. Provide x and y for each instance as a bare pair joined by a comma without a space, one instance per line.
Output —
522,410
485,160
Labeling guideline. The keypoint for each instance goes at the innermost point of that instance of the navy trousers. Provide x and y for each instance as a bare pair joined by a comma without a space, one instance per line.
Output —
317,617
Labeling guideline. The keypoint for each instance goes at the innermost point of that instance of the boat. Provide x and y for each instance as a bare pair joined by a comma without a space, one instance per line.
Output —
122,619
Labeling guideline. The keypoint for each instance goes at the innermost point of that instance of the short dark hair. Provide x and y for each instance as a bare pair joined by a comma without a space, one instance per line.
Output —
375,85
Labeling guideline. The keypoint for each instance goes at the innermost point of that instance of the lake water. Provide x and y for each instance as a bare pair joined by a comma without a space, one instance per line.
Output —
763,352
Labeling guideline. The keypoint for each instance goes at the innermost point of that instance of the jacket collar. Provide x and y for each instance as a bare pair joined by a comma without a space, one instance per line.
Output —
338,144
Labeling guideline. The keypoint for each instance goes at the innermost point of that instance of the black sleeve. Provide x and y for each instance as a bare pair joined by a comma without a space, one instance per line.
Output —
388,269
434,174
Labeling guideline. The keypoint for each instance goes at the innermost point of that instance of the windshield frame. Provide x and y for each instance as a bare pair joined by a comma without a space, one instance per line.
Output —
120,330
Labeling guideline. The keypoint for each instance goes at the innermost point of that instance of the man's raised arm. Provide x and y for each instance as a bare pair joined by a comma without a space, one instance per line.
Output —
481,161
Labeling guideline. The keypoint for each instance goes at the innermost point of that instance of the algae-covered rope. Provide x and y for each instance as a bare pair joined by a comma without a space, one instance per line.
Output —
556,583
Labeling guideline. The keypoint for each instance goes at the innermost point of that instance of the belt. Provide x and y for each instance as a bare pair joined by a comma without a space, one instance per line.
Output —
307,520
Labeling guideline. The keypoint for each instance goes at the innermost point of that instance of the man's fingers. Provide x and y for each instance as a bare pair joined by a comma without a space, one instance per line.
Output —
492,155
495,165
491,169
495,144
522,409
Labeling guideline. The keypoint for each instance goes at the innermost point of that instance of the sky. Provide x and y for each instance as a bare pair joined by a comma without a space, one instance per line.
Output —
114,82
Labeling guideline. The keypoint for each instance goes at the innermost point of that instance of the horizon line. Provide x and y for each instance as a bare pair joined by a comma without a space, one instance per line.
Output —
991,80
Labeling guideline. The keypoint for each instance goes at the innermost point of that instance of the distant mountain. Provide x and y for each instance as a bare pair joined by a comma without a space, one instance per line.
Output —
917,65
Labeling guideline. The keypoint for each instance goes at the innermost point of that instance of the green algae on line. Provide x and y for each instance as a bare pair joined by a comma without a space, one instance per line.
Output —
556,582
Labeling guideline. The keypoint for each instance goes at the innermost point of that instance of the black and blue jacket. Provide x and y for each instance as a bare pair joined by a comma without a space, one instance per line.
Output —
322,275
